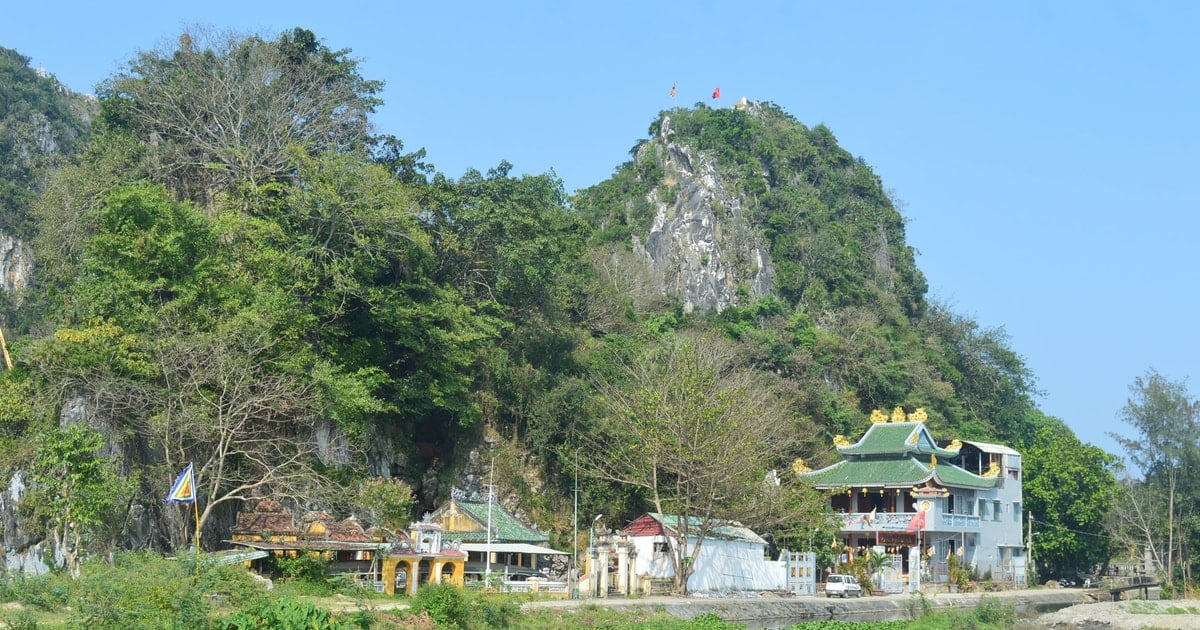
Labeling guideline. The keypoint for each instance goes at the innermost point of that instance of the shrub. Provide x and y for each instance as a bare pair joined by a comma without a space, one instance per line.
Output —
141,590
445,603
287,613
307,567
51,592
232,585
20,620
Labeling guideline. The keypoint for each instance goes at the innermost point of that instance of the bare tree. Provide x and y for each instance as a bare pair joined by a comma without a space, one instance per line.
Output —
1139,520
1167,450
245,423
699,436
224,109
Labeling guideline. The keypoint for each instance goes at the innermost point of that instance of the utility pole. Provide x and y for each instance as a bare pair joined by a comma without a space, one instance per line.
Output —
574,572
487,564
1029,551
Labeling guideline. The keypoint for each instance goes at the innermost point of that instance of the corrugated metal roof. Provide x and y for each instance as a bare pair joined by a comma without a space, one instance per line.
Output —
727,530
991,448
513,548
313,545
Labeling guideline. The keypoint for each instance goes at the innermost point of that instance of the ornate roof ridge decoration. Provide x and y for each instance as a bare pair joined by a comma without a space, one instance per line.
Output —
799,467
898,415
992,471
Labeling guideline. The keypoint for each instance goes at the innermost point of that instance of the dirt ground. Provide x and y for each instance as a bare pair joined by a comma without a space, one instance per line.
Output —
1133,614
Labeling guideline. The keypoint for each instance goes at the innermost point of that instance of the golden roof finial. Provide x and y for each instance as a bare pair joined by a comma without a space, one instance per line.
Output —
898,414
799,467
993,470
840,440
955,445
932,460
878,416
918,415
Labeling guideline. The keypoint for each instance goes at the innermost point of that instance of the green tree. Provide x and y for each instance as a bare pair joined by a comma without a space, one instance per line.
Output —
387,501
507,240
1069,489
74,492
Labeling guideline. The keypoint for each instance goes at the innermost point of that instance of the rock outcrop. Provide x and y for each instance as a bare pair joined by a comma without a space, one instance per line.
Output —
700,244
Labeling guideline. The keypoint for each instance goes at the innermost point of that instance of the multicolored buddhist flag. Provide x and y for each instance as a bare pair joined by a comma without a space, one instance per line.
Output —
672,90
184,490
869,519
717,92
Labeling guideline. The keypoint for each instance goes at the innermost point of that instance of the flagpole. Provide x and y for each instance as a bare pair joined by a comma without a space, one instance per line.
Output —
196,510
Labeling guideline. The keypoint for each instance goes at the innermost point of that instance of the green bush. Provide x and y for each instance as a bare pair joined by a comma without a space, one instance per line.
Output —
231,585
51,592
446,604
307,567
20,620
288,613
140,590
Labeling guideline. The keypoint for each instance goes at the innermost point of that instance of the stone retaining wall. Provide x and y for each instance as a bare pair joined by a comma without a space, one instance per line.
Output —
759,610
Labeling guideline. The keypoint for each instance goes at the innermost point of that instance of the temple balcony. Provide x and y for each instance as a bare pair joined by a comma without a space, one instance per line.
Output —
935,520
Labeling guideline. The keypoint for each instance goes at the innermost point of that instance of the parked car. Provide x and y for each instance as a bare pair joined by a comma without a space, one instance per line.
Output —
842,585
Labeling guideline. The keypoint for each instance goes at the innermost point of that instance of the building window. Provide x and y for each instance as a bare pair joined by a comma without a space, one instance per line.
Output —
660,548
982,508
1016,511
1014,474
995,510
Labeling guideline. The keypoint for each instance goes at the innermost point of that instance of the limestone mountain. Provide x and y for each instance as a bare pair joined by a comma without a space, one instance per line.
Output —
340,312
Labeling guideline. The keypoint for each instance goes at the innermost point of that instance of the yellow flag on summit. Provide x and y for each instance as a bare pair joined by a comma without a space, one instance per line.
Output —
184,490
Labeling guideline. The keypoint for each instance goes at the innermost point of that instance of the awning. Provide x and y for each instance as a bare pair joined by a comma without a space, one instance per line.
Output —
513,548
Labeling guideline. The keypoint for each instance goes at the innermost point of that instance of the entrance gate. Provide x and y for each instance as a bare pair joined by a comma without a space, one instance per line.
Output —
801,571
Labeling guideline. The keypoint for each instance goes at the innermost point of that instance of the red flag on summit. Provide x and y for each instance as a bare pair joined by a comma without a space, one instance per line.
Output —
717,92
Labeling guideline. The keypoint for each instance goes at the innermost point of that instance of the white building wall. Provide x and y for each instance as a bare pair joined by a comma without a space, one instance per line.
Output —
1001,525
723,565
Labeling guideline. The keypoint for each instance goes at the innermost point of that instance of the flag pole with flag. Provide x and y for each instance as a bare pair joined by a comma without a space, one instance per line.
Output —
673,99
184,491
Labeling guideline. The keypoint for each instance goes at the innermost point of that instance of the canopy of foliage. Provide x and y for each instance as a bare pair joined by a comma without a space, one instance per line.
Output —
235,272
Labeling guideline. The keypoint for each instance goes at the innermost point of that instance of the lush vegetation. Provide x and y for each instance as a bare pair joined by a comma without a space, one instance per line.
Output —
146,591
229,266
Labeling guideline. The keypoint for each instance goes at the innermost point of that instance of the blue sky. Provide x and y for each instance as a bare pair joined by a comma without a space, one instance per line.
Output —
1045,152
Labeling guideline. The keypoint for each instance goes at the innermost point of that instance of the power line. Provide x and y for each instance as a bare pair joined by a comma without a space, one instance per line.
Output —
1076,531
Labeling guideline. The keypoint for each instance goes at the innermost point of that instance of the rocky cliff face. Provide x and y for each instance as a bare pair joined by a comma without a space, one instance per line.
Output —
700,243
16,264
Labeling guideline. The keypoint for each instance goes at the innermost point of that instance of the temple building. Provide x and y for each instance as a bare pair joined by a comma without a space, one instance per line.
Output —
513,550
898,491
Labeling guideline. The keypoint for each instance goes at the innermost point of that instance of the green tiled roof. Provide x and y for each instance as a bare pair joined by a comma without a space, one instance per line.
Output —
896,438
950,475
894,472
904,471
505,526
